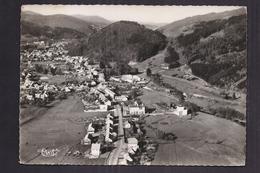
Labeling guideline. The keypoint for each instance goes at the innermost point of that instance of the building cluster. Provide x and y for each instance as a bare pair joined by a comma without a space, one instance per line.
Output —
134,79
179,110
45,52
97,95
133,108
101,133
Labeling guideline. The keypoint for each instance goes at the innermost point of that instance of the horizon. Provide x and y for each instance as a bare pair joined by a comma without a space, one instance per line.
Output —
137,13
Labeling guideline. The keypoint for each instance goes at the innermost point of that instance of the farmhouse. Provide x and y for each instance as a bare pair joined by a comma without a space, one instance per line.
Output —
180,111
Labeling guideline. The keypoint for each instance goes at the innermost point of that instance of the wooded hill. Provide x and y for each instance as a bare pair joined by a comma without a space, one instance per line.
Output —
124,41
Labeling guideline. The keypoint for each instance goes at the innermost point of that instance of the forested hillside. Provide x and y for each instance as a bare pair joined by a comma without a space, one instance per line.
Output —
124,41
216,50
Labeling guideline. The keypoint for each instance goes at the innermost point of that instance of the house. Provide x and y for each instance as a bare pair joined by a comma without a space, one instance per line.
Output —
132,145
109,92
127,125
121,98
102,97
137,110
86,140
101,77
123,158
180,111
114,79
133,109
90,129
103,107
110,116
130,78
108,103
165,66
93,83
109,121
95,150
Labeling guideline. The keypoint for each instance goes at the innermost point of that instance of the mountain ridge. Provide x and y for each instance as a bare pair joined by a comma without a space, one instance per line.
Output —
58,20
175,28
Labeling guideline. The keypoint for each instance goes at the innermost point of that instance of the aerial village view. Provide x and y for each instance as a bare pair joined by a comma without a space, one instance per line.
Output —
82,105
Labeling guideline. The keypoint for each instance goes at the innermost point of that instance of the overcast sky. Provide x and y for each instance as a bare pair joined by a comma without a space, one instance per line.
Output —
142,14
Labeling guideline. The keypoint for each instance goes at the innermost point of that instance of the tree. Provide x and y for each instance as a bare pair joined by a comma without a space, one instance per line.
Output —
53,70
192,108
157,78
91,61
38,68
174,65
148,72
102,65
173,56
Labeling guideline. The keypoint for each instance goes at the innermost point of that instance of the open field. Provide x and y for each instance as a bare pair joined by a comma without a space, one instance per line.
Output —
203,140
151,97
210,96
60,127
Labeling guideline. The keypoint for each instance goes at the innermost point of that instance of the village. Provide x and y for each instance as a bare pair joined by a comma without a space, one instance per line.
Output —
121,131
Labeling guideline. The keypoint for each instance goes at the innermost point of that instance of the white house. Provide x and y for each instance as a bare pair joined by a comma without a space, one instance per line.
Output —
93,83
130,78
132,145
180,111
123,158
95,150
109,121
86,140
90,129
101,77
137,110
109,92
121,98
127,125
108,103
114,79
109,116
103,107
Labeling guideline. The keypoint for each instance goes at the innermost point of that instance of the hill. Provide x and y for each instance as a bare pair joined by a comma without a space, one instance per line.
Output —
59,20
214,50
175,28
124,41
97,21
34,30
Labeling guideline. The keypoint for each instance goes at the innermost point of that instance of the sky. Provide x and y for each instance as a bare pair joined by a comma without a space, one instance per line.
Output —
138,13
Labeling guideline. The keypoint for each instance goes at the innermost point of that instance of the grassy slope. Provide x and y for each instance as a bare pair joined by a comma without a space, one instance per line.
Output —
61,127
204,140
